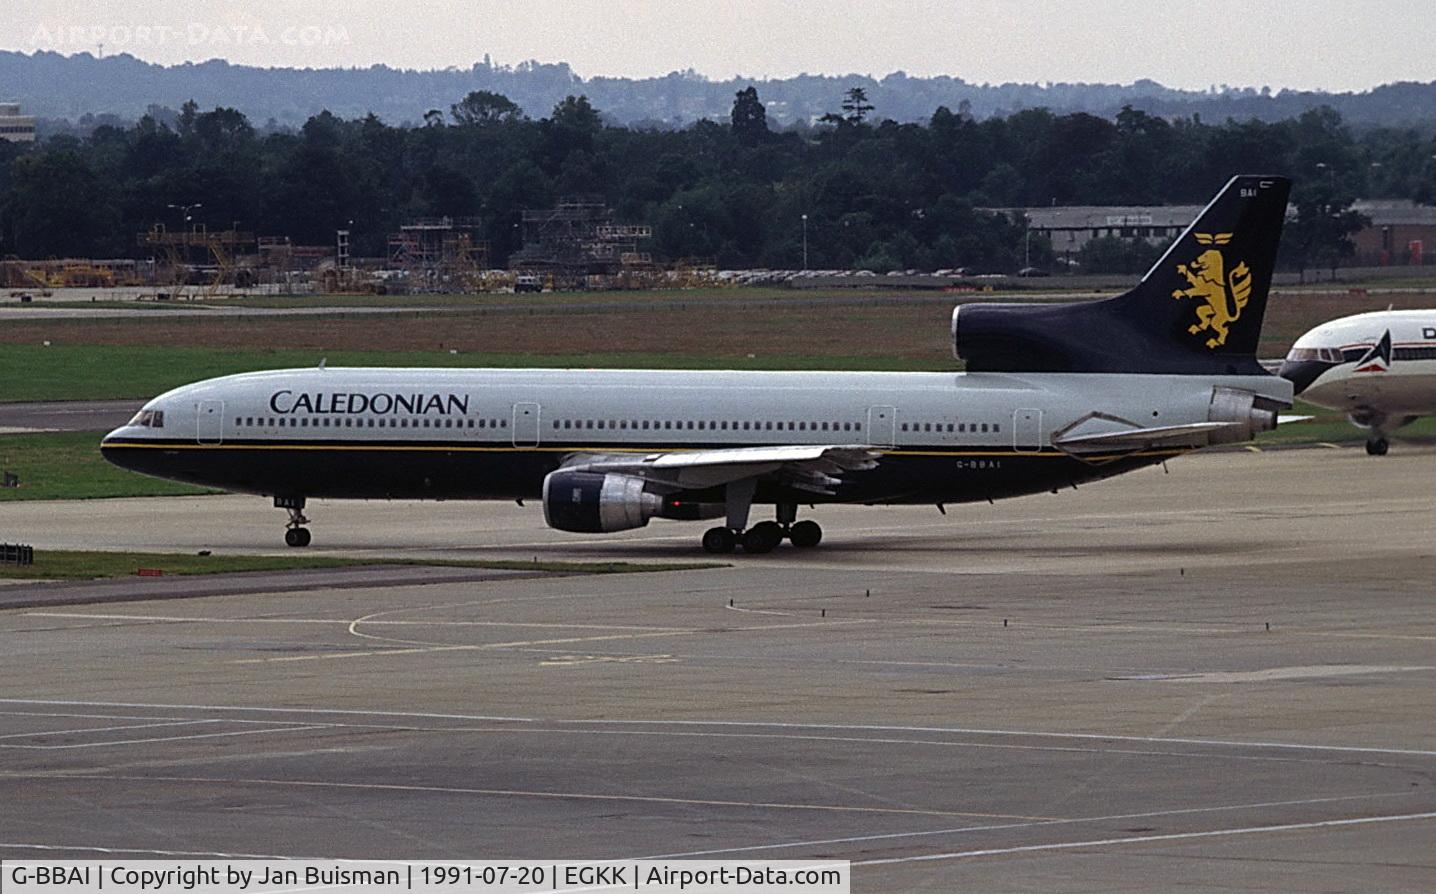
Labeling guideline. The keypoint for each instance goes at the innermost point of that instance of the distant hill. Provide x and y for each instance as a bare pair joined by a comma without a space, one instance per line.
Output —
52,85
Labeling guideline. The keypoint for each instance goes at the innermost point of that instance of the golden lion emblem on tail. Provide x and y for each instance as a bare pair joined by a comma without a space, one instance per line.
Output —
1223,296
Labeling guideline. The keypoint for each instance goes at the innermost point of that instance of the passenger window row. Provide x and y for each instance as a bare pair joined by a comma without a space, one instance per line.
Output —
604,424
970,428
1414,354
702,425
363,422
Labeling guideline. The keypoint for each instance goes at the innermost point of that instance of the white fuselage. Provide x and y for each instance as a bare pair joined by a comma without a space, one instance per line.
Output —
1351,374
664,408
375,423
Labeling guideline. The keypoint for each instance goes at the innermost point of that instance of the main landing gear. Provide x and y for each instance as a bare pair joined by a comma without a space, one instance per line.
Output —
295,534
763,537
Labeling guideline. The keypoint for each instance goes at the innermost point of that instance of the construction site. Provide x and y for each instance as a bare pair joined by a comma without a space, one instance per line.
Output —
578,244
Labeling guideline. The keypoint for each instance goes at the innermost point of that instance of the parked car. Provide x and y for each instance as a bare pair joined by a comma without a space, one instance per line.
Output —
1032,271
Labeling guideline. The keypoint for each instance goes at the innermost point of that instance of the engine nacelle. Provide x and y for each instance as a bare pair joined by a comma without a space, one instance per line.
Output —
596,503
1252,414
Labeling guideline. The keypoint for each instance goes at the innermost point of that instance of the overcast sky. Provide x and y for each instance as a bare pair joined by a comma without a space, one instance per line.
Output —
1348,45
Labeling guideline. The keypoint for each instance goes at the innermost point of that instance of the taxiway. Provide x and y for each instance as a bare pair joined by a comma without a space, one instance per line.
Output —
1221,678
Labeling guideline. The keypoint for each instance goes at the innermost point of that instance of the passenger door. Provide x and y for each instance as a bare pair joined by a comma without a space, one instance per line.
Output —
882,423
209,421
1027,431
526,424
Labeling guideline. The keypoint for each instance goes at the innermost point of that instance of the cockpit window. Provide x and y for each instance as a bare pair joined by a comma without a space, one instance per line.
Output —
149,419
1325,355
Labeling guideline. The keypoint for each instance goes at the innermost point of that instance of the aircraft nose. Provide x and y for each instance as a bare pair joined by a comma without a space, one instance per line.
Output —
1301,373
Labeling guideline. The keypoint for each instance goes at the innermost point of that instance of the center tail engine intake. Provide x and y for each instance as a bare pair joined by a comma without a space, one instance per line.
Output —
1247,415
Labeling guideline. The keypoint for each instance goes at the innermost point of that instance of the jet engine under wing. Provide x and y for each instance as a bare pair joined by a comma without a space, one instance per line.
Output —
815,468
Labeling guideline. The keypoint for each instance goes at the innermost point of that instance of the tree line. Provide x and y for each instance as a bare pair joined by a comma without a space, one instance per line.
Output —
877,194
67,90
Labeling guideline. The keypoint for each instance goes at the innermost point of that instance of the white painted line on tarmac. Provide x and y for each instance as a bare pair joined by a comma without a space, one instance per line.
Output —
1308,672
1217,743
1146,839
757,611
94,849
574,730
268,710
180,619
86,716
249,732
521,793
962,830
876,740
759,724
105,729
420,647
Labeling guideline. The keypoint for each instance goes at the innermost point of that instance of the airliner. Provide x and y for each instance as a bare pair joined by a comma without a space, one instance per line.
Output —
1053,396
1380,368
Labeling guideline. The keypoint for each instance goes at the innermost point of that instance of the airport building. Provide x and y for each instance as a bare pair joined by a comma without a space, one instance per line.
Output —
15,127
1071,228
1401,232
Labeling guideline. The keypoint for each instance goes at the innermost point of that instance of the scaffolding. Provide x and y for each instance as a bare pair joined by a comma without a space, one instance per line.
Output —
440,254
577,244
67,273
197,256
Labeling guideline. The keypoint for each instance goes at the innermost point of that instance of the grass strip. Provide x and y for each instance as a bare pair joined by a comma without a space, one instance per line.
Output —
112,372
1329,426
91,565
68,466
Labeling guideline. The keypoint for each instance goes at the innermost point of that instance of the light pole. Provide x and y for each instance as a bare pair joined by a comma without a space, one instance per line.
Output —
805,242
186,209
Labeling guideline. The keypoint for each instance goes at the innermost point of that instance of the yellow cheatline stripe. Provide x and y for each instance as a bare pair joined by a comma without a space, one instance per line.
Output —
413,448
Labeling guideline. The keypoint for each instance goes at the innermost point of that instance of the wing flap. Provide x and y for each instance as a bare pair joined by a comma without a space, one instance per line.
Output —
815,467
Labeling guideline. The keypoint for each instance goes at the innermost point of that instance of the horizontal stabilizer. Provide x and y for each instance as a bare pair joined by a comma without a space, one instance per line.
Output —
1131,439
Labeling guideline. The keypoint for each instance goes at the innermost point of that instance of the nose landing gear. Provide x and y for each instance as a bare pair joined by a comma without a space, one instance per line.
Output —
295,534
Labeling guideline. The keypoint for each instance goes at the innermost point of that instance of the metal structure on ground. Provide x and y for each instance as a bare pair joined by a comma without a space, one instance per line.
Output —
197,256
440,254
578,244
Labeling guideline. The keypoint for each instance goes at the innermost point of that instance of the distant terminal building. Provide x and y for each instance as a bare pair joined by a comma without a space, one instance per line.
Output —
15,127
1401,232
1071,228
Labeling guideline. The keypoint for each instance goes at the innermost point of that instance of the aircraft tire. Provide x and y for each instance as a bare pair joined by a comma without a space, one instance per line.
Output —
297,537
1377,447
719,541
805,534
762,538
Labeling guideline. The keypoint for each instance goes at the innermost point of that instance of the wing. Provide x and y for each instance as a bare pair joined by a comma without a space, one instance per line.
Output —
816,468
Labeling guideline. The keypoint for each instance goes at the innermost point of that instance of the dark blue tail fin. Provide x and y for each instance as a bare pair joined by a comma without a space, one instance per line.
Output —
1197,311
